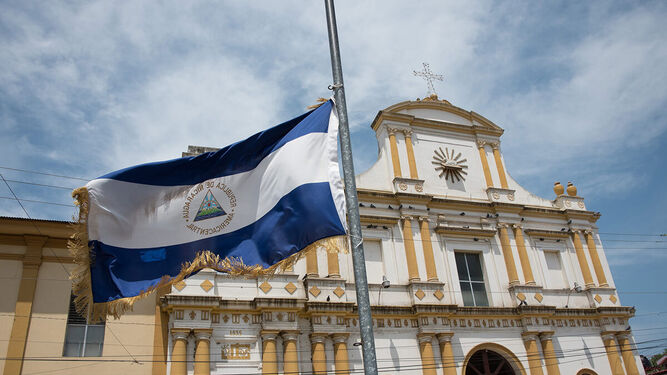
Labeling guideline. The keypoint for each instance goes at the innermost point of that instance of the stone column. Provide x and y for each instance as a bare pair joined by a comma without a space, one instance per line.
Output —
290,354
485,163
160,334
612,353
411,154
395,162
269,354
333,265
341,363
311,264
581,256
549,354
18,338
426,351
446,354
533,355
597,265
319,355
431,273
523,255
627,353
507,254
203,351
499,164
409,244
179,364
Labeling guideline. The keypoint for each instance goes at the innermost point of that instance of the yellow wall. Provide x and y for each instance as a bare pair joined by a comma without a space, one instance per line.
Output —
10,278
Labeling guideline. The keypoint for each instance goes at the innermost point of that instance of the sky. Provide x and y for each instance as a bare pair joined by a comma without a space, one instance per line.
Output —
88,87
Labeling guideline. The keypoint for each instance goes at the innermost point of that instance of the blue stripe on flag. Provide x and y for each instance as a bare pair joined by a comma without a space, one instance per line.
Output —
119,272
235,158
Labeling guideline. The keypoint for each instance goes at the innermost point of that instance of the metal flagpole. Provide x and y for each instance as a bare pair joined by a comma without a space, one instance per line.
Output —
361,282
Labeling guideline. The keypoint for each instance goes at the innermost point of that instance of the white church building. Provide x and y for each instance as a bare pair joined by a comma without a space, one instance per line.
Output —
480,276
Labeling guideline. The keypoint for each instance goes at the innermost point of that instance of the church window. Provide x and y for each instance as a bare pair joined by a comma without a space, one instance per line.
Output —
374,264
81,338
555,270
471,279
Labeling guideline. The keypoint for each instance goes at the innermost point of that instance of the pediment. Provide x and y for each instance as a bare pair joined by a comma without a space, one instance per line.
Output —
432,112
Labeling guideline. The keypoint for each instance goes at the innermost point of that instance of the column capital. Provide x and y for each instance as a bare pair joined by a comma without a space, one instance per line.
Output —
318,337
392,131
290,335
576,231
269,335
407,132
530,336
203,333
481,144
546,336
517,226
180,333
588,232
445,337
425,337
624,335
407,217
340,337
608,335
494,145
423,218
503,225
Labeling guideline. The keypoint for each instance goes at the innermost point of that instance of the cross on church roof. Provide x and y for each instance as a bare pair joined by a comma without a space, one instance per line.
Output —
429,77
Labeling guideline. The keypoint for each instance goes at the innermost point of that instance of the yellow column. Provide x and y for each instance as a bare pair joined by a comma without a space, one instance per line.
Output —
411,257
597,265
485,163
446,354
507,254
627,353
311,264
341,363
203,351
533,355
269,354
160,334
395,162
411,154
426,351
319,355
290,355
612,353
179,364
23,309
549,355
523,255
431,273
332,264
581,256
499,164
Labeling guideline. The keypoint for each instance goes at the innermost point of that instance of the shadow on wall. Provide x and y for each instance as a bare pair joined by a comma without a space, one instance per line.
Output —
394,354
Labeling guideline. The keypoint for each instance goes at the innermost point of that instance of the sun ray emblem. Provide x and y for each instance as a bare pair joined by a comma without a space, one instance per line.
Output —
449,165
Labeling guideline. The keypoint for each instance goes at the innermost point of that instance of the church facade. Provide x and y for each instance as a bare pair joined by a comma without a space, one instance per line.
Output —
468,273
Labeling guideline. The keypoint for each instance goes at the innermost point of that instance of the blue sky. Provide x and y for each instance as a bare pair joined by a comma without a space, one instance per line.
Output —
579,87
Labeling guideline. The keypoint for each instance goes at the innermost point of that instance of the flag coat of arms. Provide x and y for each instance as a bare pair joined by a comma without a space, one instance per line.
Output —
250,208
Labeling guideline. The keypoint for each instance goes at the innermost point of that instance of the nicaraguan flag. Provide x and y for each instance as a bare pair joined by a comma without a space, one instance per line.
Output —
243,208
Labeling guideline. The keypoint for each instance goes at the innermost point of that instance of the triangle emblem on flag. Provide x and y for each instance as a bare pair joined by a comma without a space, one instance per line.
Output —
209,208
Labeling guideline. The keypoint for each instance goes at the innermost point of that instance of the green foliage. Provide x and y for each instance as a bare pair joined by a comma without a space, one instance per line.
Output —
656,357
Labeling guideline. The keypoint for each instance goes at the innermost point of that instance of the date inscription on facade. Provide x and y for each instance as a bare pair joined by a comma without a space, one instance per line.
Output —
236,351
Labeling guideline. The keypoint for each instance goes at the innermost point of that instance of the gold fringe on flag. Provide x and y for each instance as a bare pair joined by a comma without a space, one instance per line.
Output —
319,101
81,279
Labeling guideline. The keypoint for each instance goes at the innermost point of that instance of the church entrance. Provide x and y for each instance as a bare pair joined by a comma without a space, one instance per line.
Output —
488,362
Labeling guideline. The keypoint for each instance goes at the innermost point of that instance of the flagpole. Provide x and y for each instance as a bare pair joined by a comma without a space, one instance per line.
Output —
358,261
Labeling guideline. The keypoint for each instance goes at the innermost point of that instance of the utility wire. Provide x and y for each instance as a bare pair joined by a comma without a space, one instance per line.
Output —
45,174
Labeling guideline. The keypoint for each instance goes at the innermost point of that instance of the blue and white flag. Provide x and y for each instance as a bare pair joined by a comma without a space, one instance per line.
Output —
242,209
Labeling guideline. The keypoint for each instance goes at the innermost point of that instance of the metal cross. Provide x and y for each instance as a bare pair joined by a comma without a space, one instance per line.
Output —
429,77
